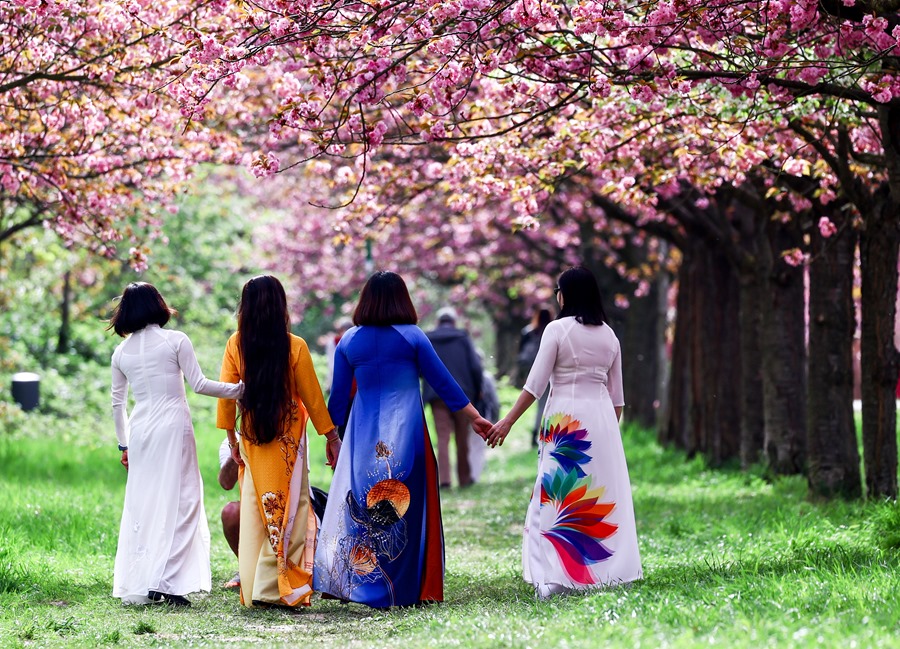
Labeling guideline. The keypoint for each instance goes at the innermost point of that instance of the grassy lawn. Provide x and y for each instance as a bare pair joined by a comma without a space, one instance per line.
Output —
729,560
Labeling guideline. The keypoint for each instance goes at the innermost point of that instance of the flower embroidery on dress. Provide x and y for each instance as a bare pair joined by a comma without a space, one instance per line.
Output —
273,508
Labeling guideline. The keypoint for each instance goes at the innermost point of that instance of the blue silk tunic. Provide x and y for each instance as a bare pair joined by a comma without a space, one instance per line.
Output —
381,541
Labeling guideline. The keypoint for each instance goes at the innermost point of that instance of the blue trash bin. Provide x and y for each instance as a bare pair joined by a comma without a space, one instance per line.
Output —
26,389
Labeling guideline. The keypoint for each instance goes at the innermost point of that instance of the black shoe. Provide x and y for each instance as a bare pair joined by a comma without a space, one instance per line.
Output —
165,598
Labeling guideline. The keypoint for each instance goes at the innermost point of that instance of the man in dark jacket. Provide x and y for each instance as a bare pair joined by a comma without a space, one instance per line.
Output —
455,349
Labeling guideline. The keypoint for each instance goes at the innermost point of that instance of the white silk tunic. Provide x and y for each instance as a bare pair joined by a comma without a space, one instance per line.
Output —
579,528
164,536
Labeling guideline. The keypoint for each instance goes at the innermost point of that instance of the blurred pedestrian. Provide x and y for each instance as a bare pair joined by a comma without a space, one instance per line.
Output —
457,352
489,407
529,343
341,327
331,341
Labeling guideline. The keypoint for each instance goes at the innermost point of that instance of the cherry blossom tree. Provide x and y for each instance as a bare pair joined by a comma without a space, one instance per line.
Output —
486,143
355,78
89,145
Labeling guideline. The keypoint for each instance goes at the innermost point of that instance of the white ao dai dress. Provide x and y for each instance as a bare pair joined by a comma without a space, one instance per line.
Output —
164,536
579,529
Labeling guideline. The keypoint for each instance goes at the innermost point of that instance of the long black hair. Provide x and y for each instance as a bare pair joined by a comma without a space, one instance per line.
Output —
581,296
265,348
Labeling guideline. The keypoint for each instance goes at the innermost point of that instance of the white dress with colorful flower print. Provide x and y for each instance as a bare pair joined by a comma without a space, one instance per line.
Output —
579,529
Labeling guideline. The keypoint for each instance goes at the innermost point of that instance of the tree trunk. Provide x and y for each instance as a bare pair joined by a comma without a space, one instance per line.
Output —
833,454
878,249
749,220
783,346
717,352
641,357
752,404
878,257
65,307
878,358
704,394
678,401
508,323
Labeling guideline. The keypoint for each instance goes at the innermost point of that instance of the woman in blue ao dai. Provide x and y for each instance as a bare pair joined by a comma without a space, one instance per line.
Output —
381,541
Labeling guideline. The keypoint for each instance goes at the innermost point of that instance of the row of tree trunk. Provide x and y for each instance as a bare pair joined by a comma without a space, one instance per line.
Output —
760,368
760,373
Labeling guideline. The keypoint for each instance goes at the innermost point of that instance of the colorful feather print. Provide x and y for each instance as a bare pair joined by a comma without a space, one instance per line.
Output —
568,442
579,528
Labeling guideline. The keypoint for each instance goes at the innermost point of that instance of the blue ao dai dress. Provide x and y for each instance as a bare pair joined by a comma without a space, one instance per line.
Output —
381,542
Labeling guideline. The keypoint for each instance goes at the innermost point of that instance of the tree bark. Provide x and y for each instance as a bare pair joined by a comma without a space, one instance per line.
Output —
678,400
878,257
704,393
642,335
749,218
717,352
833,454
783,345
878,260
508,323
752,404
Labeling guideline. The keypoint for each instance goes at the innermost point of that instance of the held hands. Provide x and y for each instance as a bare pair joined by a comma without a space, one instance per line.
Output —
124,459
481,427
498,433
479,424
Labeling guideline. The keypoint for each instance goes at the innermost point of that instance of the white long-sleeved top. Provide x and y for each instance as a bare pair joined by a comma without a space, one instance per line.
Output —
164,537
155,362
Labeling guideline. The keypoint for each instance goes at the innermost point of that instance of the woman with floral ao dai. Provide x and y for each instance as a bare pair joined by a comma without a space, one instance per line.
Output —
277,538
579,528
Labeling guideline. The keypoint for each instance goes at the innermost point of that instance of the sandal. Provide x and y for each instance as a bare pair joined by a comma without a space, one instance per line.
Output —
165,598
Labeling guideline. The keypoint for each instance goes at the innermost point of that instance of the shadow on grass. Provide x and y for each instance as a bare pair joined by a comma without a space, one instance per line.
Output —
823,562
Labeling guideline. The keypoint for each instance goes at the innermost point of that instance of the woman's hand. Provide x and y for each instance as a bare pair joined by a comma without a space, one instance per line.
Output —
124,459
236,454
332,449
498,432
481,426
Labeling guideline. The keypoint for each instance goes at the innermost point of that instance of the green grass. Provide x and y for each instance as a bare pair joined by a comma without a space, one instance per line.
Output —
729,560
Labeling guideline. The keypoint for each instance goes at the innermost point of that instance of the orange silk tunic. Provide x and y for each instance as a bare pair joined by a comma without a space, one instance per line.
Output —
277,545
